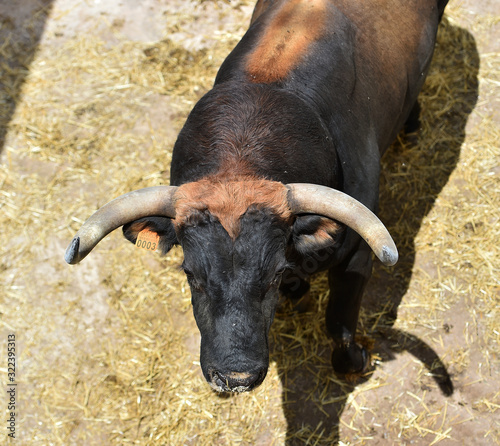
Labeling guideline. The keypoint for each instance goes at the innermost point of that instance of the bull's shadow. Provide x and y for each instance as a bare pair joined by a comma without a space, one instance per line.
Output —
416,166
21,27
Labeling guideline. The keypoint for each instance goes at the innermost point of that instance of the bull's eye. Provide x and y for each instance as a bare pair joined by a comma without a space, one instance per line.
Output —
193,282
195,285
277,278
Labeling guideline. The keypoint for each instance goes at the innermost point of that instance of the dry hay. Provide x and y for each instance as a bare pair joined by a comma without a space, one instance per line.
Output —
109,349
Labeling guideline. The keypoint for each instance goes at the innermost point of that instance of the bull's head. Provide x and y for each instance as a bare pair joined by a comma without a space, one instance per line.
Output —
235,237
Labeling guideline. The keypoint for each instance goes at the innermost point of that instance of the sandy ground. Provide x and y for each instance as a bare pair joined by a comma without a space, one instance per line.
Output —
91,340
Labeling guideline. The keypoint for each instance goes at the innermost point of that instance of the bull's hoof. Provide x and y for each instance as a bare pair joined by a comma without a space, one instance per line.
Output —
350,359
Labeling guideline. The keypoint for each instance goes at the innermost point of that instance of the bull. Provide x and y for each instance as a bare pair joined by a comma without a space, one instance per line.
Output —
279,164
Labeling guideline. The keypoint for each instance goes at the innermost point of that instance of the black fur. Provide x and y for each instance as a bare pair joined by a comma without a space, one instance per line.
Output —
234,288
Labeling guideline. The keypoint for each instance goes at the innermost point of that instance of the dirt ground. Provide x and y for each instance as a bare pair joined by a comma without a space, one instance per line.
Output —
92,95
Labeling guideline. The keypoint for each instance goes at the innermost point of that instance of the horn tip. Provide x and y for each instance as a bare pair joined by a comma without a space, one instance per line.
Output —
389,255
71,255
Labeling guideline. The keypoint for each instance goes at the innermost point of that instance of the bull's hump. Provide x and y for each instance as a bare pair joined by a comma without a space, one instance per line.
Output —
286,39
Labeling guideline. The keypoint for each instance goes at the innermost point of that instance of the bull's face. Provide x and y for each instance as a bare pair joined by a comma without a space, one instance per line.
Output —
234,285
234,272
234,279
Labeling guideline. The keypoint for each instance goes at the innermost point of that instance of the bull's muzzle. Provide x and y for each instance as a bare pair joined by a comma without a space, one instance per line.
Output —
235,381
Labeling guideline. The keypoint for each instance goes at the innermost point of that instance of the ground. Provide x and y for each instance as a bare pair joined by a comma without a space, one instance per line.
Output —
92,95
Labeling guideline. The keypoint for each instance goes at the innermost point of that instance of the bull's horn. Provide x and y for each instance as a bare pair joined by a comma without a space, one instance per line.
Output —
331,203
141,203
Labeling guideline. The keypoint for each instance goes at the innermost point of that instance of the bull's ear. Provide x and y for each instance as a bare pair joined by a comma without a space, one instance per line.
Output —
312,232
162,226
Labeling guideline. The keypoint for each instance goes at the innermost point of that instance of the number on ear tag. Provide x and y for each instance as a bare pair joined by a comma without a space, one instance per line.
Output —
147,239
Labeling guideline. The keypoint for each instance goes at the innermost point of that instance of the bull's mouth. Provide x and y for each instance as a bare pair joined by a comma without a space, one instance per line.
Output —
235,382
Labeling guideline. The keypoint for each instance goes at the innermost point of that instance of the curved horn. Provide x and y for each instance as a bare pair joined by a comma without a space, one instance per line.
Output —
331,203
141,203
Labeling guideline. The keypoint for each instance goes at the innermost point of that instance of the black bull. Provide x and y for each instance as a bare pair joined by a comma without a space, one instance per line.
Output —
279,165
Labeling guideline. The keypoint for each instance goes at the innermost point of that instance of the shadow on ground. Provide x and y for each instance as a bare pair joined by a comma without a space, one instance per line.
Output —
21,27
313,402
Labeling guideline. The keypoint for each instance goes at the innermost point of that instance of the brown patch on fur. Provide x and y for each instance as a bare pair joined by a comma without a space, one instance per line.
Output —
228,200
322,237
327,228
137,227
295,25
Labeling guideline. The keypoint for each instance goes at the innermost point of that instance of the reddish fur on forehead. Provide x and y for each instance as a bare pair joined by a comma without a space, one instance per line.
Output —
229,200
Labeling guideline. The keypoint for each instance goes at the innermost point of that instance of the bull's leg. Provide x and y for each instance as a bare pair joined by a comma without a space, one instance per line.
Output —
347,283
441,6
412,123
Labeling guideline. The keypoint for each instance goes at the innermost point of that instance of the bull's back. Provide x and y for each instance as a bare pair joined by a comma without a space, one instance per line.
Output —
359,63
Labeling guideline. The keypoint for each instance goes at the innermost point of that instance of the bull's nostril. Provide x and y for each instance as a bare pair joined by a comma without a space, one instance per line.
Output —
220,381
236,381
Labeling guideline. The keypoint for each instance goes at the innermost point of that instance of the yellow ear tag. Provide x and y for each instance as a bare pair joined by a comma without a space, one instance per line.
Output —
147,239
